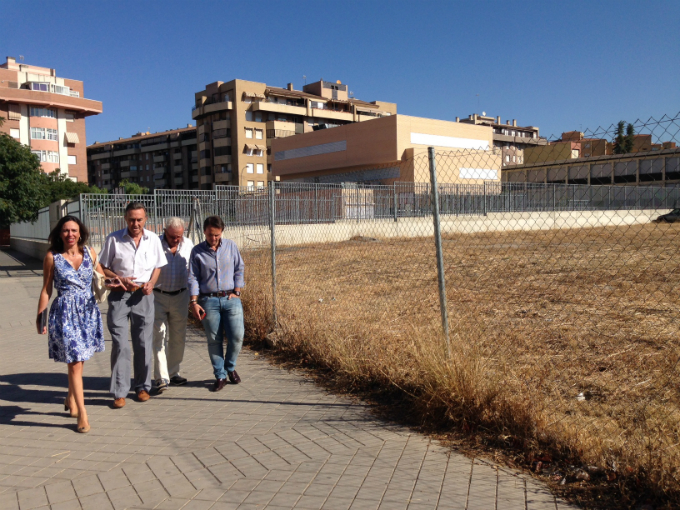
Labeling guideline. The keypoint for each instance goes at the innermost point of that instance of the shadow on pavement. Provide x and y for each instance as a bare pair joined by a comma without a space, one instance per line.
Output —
14,263
8,415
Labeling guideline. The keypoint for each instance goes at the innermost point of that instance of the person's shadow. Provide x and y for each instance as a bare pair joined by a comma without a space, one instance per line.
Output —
55,386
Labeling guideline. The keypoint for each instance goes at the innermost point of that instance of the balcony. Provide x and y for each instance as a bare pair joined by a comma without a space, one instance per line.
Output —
159,171
125,175
204,162
126,152
222,160
101,155
221,124
159,159
519,139
85,107
106,166
124,164
221,142
322,113
177,155
194,178
206,108
206,179
106,177
263,106
223,177
178,168
178,181
160,183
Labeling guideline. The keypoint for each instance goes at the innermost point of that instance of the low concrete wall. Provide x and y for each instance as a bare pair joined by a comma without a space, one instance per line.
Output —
30,247
291,235
287,235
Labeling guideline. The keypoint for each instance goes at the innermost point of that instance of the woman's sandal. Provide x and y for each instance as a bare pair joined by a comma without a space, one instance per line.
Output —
83,430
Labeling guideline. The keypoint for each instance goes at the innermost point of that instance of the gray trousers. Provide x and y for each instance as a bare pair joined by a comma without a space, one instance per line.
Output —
139,310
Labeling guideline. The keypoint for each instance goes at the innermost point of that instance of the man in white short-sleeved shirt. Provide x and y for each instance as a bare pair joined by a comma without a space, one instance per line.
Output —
134,256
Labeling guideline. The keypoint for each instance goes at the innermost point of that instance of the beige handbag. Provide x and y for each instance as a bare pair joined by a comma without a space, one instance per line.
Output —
99,288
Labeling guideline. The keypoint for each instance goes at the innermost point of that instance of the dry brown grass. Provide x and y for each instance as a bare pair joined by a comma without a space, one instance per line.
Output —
538,318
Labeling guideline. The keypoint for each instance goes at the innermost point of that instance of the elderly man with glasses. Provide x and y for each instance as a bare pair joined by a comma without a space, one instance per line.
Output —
171,307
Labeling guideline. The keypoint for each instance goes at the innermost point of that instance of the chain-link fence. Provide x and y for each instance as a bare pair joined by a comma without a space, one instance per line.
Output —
538,312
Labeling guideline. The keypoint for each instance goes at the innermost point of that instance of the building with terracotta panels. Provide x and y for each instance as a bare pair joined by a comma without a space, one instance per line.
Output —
165,160
237,121
48,114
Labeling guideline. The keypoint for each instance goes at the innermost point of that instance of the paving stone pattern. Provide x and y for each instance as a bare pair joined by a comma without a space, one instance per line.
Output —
276,441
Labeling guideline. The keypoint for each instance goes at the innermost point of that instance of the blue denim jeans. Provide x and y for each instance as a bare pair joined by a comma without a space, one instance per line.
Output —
223,315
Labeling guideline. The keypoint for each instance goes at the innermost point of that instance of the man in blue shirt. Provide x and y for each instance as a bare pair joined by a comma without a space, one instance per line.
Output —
215,282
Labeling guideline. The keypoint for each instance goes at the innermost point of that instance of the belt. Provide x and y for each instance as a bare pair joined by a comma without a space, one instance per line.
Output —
222,293
170,293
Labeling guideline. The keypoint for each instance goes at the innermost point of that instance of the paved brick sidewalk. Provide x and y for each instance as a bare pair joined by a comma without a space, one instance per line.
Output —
276,441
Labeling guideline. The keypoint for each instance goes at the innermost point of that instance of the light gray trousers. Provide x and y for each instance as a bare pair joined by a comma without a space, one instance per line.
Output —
138,309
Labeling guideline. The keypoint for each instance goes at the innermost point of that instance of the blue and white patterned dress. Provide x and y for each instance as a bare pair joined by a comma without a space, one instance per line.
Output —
75,327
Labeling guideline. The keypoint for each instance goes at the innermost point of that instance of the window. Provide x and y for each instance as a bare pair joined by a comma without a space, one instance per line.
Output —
14,133
249,116
260,168
587,146
223,151
205,154
249,168
43,112
41,87
249,133
52,134
258,134
513,159
247,100
72,161
269,168
260,184
258,117
70,116
37,133
47,156
251,185
507,158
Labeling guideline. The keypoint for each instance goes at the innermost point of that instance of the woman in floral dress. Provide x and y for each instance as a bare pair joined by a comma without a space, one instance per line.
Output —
75,325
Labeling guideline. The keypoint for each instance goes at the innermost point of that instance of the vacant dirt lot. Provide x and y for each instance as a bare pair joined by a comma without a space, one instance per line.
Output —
566,340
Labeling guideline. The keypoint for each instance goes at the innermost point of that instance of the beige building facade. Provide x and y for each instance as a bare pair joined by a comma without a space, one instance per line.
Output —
237,121
47,113
387,150
509,138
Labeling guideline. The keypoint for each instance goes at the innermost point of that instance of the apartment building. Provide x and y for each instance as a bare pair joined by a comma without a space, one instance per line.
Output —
165,160
509,138
237,121
47,113
389,149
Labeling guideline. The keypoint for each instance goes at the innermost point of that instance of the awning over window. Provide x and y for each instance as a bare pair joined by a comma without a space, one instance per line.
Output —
72,138
253,95
251,146
260,148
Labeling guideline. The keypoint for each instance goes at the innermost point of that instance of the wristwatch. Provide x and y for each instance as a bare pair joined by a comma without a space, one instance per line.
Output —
237,293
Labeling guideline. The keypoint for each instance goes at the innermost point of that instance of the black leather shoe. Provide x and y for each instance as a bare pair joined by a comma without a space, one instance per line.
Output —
233,377
177,380
219,384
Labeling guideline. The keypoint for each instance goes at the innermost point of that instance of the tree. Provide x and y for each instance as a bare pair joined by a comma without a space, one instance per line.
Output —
22,190
60,187
132,188
623,143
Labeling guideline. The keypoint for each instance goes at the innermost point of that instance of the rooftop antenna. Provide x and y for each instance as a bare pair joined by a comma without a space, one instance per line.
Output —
351,94
304,77
477,102
21,57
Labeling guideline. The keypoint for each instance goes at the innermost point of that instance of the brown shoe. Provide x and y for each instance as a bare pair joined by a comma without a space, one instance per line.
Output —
233,377
219,384
143,396
119,402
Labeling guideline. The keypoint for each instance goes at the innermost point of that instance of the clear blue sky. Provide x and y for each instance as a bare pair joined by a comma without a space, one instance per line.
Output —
556,65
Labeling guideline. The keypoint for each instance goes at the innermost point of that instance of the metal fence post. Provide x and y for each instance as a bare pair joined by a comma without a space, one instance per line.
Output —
438,245
485,211
272,223
394,197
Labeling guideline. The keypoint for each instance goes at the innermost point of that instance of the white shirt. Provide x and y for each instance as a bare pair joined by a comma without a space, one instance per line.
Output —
175,274
122,256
